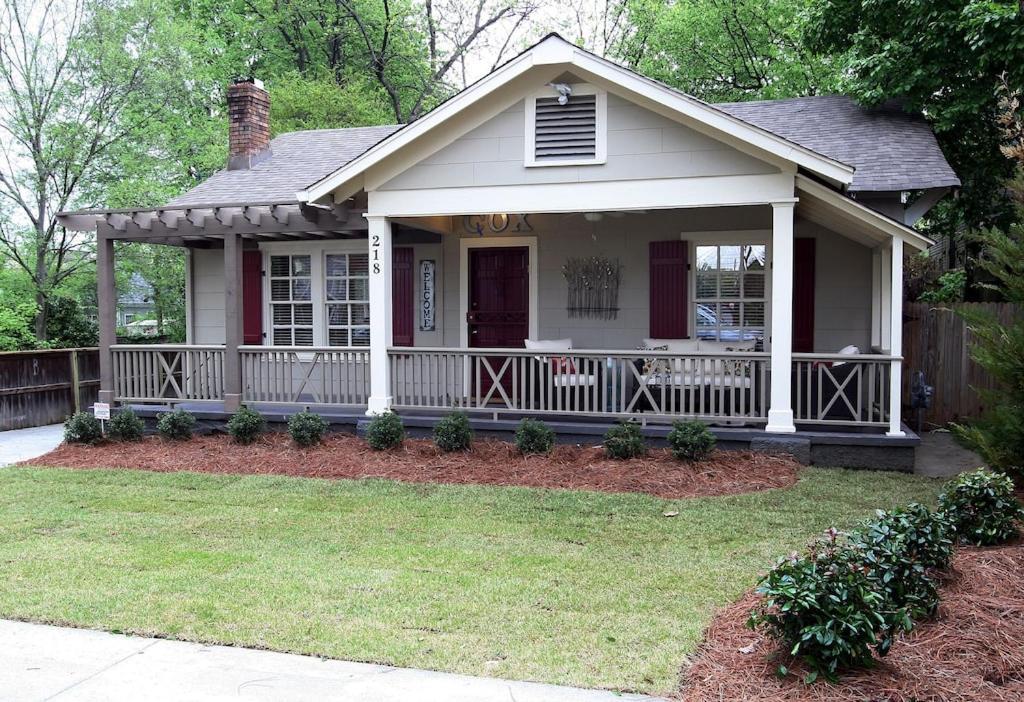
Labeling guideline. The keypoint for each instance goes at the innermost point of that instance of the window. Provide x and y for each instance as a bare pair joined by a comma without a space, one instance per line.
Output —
129,318
347,299
291,300
566,129
730,292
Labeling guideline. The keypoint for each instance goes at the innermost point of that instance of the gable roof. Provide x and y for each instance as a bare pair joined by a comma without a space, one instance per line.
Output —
890,148
297,159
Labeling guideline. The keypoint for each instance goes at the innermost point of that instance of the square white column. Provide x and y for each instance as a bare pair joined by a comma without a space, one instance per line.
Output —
780,410
232,321
379,240
896,340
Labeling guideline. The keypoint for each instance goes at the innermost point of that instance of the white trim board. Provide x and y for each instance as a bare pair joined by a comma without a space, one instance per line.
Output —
467,243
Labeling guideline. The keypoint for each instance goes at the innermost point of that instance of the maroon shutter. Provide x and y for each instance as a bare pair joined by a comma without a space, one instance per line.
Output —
252,298
402,296
803,295
669,290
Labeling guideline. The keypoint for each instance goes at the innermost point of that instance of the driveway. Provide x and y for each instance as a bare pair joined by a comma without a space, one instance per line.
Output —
39,662
23,444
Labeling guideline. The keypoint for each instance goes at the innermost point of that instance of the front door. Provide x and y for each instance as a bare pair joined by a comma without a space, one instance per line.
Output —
499,303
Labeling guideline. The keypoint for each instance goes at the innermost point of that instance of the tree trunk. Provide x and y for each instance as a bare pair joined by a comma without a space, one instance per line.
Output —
41,295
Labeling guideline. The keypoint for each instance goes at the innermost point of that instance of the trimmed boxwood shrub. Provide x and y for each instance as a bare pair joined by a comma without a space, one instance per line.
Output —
126,426
534,437
981,507
826,609
902,549
82,428
385,431
453,433
246,425
177,424
624,441
307,428
691,441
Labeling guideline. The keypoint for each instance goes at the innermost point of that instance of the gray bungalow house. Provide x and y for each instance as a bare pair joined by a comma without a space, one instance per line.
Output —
564,238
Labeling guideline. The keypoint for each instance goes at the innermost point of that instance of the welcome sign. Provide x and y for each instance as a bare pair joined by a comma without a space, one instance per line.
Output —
427,274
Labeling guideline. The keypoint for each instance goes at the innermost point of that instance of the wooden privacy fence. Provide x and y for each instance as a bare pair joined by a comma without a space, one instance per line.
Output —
44,387
936,341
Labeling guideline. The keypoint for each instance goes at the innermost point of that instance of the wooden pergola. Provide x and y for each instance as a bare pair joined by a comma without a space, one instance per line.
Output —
231,226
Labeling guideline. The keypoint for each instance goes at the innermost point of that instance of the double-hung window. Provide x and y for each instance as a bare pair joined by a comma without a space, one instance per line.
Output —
730,289
291,299
347,299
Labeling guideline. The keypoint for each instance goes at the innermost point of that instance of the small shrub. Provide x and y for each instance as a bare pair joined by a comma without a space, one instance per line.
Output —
902,549
824,607
691,441
307,428
246,425
981,507
82,428
624,441
453,433
126,426
534,436
385,431
177,425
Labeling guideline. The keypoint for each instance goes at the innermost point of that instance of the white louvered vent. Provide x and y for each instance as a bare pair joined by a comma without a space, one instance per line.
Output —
565,132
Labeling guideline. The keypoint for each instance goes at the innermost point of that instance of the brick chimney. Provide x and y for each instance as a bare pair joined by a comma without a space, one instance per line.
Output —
248,123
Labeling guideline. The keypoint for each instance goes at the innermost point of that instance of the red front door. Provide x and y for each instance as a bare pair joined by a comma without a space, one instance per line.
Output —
499,303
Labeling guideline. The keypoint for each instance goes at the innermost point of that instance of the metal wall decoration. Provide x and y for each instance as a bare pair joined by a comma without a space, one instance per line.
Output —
593,287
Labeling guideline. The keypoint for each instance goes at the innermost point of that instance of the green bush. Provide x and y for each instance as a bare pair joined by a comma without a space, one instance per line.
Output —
825,608
177,424
82,428
126,426
246,425
625,441
902,549
307,428
453,433
981,507
385,431
534,436
691,441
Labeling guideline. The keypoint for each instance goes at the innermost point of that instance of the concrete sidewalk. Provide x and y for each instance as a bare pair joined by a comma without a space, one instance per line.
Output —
23,444
40,662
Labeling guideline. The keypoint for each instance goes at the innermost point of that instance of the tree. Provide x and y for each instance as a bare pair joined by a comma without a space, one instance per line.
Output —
721,50
949,60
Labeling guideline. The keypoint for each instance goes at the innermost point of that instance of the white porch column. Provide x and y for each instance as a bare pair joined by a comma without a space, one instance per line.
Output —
896,339
780,410
232,321
379,235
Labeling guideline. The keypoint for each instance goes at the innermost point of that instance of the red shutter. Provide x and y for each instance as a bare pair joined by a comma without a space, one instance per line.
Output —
803,295
252,298
402,296
669,291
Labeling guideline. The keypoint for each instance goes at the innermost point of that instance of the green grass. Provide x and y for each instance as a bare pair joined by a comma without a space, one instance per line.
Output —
578,588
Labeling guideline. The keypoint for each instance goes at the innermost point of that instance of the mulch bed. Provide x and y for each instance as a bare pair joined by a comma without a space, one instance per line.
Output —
418,460
972,651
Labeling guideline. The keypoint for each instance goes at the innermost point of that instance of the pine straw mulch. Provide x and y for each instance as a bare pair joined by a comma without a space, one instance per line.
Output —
972,651
489,462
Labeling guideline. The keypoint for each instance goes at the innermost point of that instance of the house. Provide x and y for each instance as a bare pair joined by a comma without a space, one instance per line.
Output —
135,305
564,238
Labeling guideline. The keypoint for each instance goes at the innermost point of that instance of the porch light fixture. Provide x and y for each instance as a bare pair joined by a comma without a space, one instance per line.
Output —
564,90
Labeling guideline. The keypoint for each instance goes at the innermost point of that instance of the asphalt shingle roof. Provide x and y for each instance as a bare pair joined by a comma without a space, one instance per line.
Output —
298,159
890,148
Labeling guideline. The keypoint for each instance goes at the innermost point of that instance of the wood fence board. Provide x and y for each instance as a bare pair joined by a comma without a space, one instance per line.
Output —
38,387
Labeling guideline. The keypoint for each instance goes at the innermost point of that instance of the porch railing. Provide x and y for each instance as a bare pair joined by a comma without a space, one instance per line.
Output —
167,372
654,385
305,375
841,390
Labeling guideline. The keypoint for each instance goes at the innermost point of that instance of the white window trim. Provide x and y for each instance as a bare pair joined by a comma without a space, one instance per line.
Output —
317,252
600,128
740,237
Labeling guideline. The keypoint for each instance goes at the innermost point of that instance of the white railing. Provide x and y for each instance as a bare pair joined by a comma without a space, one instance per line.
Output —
305,375
653,385
842,390
167,372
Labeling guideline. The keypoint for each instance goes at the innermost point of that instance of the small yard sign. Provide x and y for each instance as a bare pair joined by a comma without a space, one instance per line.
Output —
101,410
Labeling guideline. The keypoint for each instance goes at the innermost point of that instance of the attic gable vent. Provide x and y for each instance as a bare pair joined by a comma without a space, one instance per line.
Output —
569,134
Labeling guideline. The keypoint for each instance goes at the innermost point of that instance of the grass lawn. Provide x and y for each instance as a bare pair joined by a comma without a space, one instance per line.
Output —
579,588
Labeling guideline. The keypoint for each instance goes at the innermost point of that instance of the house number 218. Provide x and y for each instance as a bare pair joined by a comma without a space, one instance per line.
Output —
376,253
